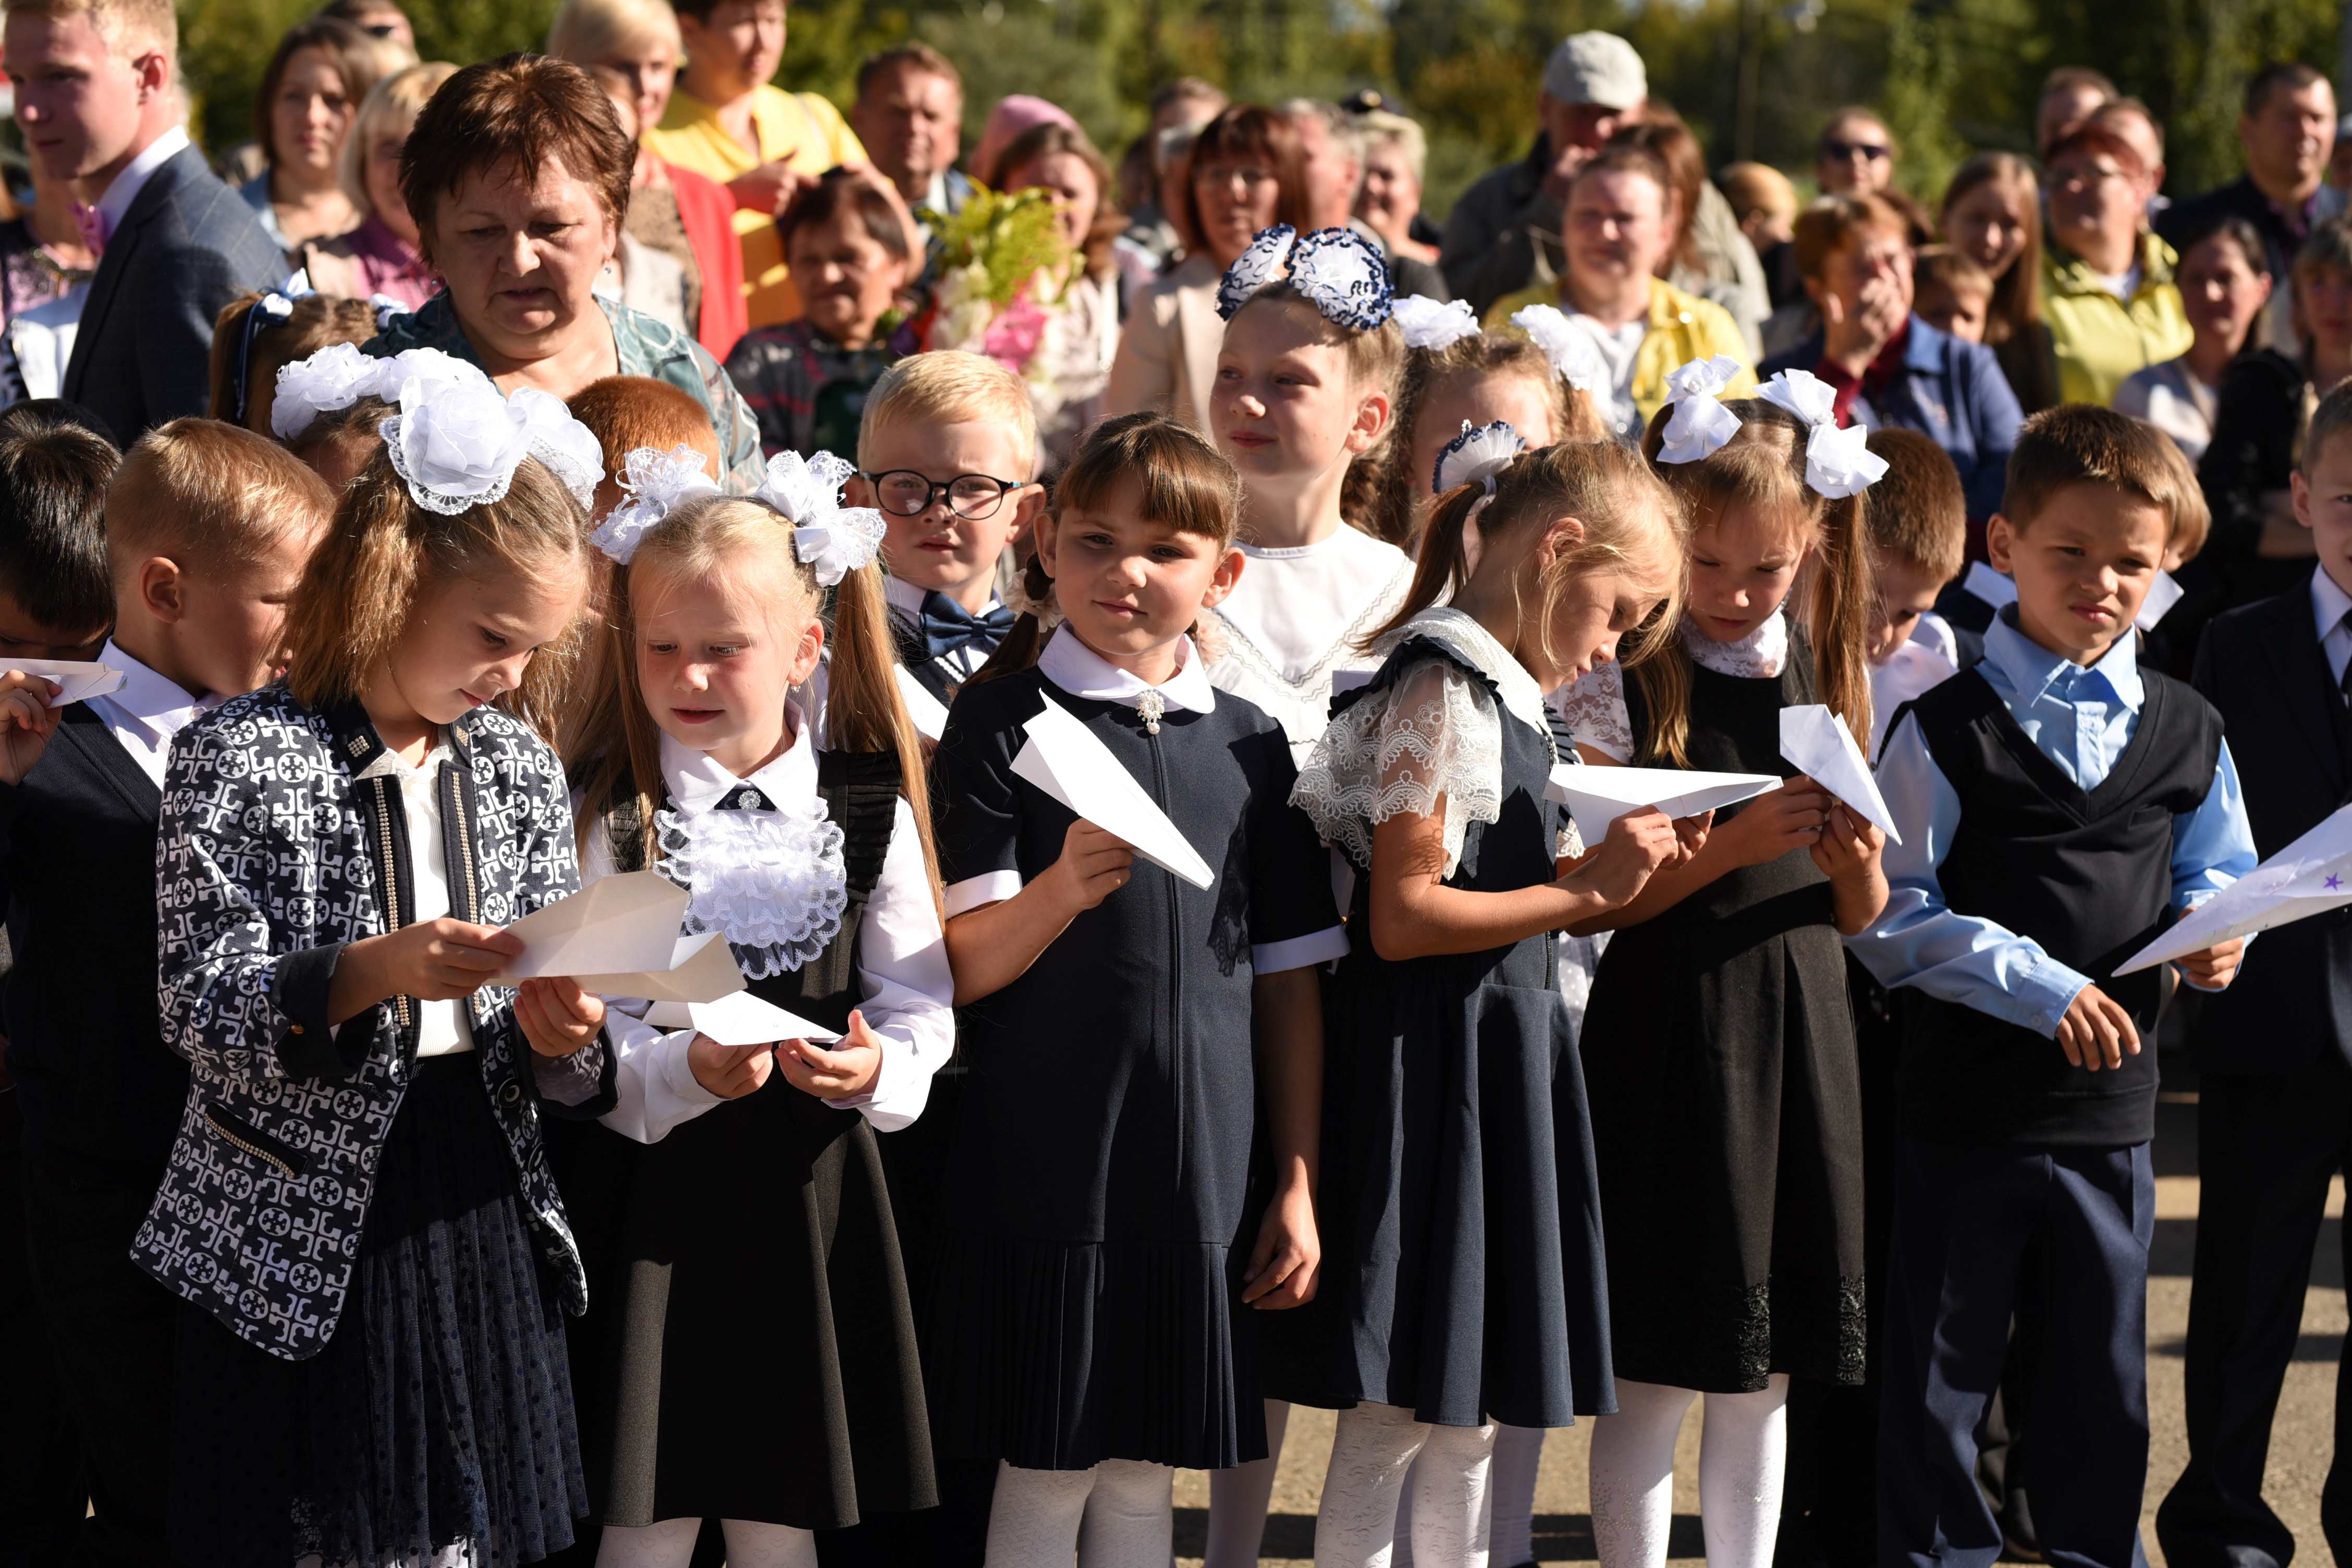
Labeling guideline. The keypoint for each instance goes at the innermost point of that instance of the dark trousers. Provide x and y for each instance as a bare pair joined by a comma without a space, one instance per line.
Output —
42,1495
2265,1149
1963,1219
113,1327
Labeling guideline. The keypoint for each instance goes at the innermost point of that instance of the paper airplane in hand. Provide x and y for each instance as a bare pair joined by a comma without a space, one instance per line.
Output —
1597,797
741,1019
1065,759
620,937
2309,877
2162,594
77,681
1818,744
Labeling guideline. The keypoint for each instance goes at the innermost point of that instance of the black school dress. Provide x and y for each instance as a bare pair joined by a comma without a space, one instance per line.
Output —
1462,1273
771,1374
1727,1100
1101,1212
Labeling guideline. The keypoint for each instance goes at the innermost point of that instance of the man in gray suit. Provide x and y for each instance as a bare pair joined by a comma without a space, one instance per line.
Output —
97,99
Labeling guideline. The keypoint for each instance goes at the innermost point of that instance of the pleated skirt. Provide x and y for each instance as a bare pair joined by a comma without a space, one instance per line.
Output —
436,1426
763,1363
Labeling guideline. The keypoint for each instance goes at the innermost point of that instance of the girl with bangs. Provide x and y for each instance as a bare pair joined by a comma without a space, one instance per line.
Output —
1117,1215
1463,1283
803,839
1727,1113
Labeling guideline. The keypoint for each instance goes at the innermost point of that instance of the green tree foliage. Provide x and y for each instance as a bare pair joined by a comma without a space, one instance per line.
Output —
1951,76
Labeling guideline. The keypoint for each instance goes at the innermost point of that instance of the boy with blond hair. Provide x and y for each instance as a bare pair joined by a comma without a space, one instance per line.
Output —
208,526
2059,805
948,450
1918,526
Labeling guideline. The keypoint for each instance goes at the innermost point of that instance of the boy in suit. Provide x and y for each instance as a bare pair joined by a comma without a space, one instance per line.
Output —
2274,1093
208,527
2058,805
97,96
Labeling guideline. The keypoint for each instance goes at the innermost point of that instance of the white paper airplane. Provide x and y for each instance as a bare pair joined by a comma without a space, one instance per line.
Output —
1818,744
1597,797
741,1019
1065,760
77,681
2309,877
619,937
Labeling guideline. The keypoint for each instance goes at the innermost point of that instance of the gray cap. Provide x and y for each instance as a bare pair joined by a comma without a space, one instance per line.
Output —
1596,67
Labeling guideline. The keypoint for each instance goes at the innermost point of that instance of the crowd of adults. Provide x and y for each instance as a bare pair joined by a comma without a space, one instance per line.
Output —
771,253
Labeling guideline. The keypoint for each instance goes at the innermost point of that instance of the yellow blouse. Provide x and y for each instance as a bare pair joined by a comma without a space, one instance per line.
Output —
800,128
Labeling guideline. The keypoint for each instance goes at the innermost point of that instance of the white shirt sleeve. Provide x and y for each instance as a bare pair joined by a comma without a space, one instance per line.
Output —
909,992
656,1089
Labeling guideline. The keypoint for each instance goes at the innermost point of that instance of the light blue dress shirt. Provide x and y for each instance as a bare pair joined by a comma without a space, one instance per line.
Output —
2081,719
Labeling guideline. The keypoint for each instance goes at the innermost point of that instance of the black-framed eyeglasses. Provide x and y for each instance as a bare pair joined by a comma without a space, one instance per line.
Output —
903,493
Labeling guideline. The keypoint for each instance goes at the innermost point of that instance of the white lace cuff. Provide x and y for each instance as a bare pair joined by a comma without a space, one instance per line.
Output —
1594,711
1435,735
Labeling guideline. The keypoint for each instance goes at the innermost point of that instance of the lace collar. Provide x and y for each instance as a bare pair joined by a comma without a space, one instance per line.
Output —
1077,669
1761,655
1460,633
760,856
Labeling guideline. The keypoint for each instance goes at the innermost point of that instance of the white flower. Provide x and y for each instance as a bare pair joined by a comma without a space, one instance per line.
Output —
457,441
335,377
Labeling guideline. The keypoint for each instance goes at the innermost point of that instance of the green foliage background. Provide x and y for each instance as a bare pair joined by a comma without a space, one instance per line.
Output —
1952,75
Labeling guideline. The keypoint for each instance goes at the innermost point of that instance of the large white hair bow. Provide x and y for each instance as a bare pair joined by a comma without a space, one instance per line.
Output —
655,482
456,442
1344,274
1701,424
831,539
1573,353
1476,455
1434,324
1838,462
339,376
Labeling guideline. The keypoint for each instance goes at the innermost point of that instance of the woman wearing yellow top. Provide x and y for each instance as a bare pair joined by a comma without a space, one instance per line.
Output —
726,124
1618,234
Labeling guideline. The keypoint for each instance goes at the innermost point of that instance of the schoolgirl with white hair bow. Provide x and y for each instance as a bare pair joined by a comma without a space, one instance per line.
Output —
762,1201
1721,1060
358,1211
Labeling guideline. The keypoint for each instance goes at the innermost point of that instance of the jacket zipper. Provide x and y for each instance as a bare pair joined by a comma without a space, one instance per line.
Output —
243,1138
391,860
458,845
1175,962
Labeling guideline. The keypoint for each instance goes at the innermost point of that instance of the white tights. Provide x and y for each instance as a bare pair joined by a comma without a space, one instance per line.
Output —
1120,1514
1511,1496
1239,1497
1372,1449
1743,1450
670,1544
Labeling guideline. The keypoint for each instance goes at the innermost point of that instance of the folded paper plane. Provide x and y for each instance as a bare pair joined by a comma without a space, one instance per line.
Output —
741,1019
2309,877
1064,758
1818,744
77,681
1597,797
620,937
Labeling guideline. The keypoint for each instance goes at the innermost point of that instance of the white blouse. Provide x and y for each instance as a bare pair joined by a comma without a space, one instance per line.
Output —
440,1029
1289,634
908,992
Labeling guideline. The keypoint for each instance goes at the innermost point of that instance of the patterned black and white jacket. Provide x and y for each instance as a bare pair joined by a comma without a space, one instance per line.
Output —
273,855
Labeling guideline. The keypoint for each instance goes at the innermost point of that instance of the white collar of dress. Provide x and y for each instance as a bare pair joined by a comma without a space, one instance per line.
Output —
697,782
1076,668
1460,634
1760,654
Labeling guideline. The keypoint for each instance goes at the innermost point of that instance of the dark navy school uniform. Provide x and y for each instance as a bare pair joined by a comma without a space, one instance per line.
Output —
2053,817
1099,1205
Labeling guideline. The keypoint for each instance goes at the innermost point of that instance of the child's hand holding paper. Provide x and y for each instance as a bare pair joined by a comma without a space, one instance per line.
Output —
29,717
1817,741
1065,760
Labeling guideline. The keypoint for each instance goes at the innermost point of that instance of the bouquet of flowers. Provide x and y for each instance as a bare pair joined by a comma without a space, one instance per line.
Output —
1002,265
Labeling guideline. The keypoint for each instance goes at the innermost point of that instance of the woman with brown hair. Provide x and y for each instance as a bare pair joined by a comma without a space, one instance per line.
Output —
322,68
1992,215
1241,176
1069,399
517,174
1711,257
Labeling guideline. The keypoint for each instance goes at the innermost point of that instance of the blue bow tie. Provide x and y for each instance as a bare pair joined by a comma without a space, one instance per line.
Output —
948,627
